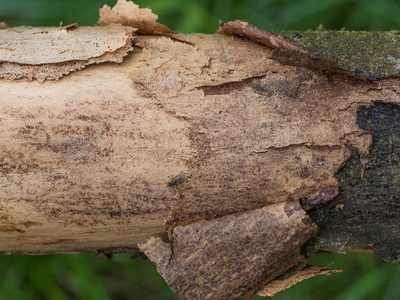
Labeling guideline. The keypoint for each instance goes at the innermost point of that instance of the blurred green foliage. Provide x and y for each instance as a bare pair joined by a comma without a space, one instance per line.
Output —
203,15
72,276
82,276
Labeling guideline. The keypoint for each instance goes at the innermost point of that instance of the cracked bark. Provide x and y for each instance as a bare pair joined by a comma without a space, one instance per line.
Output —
192,132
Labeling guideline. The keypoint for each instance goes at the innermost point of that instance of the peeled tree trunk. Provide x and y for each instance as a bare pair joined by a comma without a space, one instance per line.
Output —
219,156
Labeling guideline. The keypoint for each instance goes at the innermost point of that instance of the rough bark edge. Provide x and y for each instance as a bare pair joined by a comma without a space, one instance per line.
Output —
232,257
129,14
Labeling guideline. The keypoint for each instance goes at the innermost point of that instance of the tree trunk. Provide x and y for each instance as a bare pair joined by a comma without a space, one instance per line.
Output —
195,135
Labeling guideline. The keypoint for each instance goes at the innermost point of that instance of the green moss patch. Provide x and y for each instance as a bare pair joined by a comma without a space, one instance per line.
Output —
367,54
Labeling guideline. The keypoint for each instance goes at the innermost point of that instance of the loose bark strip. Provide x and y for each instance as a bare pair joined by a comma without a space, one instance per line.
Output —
234,256
50,53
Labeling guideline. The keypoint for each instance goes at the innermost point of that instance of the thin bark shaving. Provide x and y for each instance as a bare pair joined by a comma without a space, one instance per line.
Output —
309,271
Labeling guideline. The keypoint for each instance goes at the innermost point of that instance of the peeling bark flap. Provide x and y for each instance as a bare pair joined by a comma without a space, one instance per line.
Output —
234,256
40,45
50,53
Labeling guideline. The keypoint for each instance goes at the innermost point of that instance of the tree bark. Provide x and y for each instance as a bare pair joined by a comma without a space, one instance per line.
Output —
190,129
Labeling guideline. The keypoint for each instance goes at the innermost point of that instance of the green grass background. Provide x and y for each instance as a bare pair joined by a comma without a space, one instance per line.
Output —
81,276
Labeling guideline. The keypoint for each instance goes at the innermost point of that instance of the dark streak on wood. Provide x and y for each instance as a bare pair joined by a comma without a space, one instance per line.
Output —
284,51
306,220
178,179
310,61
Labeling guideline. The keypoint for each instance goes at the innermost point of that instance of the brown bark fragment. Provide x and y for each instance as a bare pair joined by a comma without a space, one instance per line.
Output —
187,129
234,256
71,26
44,45
266,38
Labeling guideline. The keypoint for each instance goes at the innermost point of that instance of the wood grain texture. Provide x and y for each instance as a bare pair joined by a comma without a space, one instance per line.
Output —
85,163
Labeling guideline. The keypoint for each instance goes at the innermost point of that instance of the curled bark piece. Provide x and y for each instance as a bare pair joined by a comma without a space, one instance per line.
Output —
277,286
266,38
129,14
234,256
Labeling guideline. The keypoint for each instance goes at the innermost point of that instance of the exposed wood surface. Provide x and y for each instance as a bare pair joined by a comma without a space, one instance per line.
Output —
98,148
